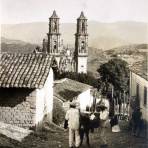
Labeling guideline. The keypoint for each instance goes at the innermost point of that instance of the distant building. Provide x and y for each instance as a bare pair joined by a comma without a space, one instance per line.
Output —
26,89
139,85
72,60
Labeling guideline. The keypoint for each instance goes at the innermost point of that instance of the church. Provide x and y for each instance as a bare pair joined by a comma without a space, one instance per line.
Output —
68,59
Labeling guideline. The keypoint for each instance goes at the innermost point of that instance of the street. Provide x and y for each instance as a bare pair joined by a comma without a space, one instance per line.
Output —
59,139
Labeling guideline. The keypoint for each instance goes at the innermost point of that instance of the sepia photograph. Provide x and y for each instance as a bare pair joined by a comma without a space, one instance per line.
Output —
74,74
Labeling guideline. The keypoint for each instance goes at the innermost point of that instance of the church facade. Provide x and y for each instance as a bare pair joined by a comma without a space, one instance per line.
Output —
68,59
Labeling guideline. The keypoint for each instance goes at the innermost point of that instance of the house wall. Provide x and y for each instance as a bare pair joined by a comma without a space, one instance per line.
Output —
85,99
44,101
27,107
82,64
17,106
134,80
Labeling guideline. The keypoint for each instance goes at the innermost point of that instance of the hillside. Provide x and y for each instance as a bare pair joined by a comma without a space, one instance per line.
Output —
12,41
129,49
130,53
101,35
11,46
96,57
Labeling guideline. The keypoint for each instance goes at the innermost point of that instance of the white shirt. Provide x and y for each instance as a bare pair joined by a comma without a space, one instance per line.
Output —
73,116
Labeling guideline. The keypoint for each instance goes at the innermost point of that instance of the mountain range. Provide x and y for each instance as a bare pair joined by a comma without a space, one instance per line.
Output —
11,46
101,35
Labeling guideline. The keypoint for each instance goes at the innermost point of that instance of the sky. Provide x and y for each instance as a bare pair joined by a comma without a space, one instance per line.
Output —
23,11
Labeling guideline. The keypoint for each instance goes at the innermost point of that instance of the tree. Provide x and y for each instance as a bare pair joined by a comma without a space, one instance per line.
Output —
116,73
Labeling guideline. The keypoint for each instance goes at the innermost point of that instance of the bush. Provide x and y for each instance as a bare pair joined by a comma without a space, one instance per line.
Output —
58,112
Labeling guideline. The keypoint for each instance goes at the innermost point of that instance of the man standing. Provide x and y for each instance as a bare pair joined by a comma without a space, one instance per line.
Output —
73,117
104,117
137,122
84,127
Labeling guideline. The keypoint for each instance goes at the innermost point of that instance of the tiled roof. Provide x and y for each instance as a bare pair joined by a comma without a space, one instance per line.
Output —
67,89
141,69
24,70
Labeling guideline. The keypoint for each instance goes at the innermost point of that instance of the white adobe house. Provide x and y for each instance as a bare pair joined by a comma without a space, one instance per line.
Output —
26,89
67,90
139,86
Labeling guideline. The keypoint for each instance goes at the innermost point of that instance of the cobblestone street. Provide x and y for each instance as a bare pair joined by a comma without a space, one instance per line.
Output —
59,139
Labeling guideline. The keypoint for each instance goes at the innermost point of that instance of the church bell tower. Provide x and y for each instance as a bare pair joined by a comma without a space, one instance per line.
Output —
81,44
54,37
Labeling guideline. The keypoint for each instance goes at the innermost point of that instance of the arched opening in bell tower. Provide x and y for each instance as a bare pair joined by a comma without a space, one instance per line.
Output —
55,46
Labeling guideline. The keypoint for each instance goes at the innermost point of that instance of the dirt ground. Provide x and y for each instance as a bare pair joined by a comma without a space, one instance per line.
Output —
59,139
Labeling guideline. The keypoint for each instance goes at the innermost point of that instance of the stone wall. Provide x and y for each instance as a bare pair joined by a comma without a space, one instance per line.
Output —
18,106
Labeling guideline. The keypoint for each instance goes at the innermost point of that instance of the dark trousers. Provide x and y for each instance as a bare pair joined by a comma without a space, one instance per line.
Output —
136,129
86,133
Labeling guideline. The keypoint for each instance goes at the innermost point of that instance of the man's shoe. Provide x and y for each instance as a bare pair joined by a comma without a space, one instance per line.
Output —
88,145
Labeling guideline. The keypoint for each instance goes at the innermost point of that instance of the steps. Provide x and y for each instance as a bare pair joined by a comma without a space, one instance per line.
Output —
14,132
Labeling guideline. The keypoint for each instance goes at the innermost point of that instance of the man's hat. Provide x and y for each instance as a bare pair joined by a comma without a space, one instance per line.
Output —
101,106
101,103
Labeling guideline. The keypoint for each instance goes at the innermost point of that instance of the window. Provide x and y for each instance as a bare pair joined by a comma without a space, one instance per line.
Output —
55,46
54,26
137,91
145,96
83,26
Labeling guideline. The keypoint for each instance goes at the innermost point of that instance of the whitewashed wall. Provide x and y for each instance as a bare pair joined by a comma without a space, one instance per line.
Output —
82,64
85,99
134,80
44,100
